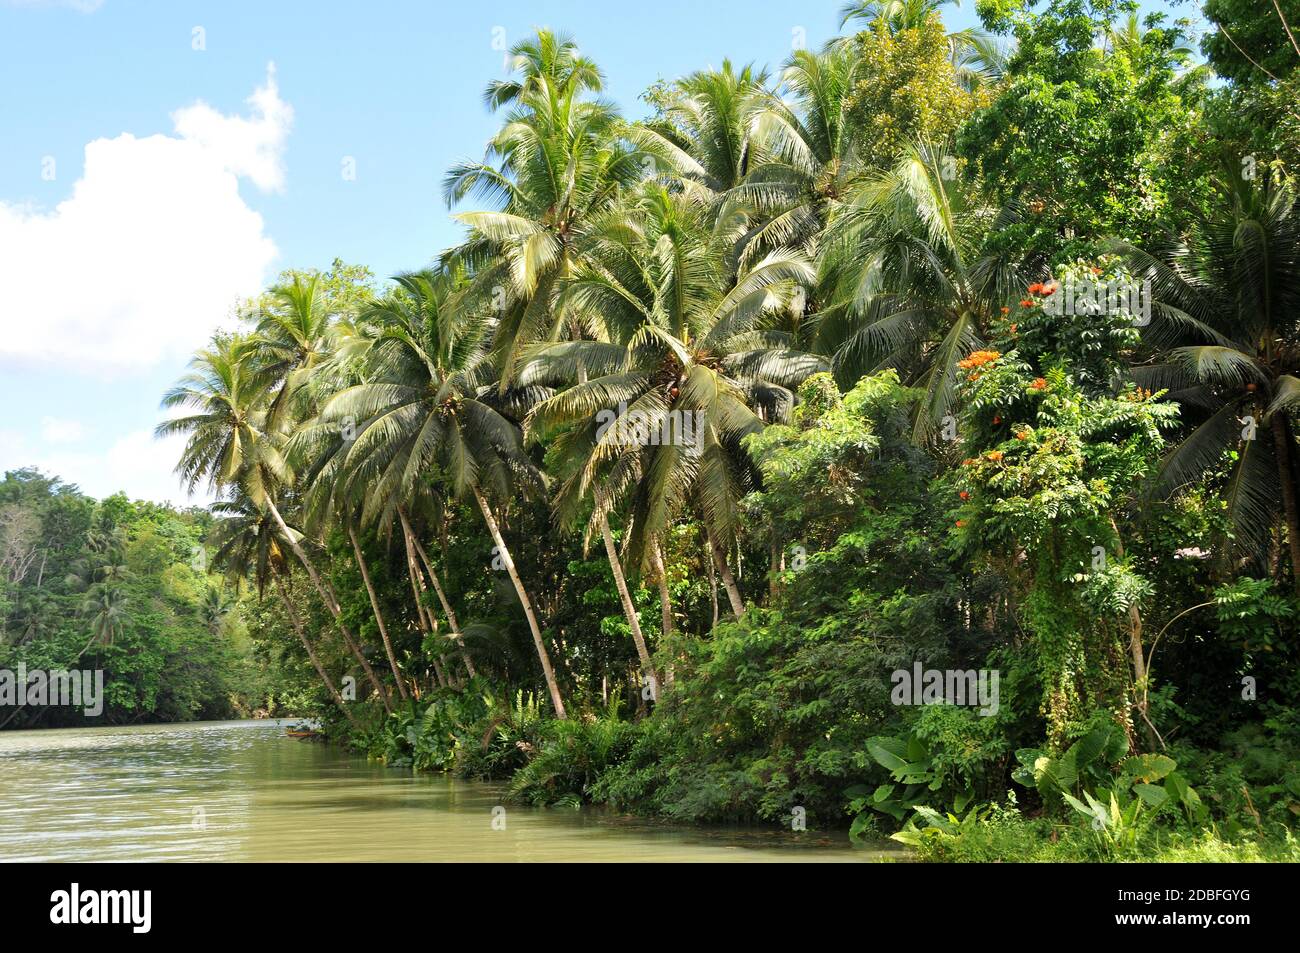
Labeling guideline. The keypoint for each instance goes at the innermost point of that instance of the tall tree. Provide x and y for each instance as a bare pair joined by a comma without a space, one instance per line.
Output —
1226,322
911,279
557,162
422,413
660,419
229,445
247,546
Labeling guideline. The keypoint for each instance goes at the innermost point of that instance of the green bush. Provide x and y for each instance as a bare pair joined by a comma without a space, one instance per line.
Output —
571,756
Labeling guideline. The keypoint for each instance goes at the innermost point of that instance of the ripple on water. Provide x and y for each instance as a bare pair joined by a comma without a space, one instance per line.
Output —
243,791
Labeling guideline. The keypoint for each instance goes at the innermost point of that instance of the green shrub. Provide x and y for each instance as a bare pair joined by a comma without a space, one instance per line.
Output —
571,756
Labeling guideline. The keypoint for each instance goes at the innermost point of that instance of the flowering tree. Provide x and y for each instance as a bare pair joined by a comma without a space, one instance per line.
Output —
1054,457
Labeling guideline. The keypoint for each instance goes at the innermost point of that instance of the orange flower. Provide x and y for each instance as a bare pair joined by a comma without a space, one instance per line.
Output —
964,495
995,455
1050,290
1036,288
968,462
1006,310
1023,435
1013,329
961,523
1096,270
997,419
1039,384
978,359
1026,303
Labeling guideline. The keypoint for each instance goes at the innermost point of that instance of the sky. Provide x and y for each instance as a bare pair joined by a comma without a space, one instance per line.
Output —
161,160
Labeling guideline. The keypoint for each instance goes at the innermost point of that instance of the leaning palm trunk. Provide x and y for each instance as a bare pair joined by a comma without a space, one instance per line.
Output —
629,610
713,589
1283,447
441,593
665,603
423,610
311,652
379,615
728,580
331,602
428,624
543,656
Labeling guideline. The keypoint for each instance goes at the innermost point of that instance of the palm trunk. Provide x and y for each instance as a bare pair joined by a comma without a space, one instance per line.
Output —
1283,446
713,587
728,580
665,603
311,652
379,616
447,610
428,624
629,610
665,597
331,602
542,655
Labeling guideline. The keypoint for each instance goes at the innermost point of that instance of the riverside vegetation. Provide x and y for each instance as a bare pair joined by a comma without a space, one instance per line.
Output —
880,284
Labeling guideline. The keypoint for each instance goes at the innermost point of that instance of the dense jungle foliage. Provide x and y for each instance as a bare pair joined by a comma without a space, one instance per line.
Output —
125,588
978,352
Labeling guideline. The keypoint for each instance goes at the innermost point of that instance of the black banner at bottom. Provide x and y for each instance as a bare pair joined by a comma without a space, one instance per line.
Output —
336,902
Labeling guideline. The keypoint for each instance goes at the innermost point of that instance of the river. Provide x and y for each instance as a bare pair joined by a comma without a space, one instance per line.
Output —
244,791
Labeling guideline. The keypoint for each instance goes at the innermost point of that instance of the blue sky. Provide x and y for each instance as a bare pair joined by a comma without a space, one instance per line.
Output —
120,259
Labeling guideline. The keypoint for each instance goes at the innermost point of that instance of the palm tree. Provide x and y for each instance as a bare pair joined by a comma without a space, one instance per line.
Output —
229,445
681,349
898,14
906,278
416,548
294,337
549,62
216,606
297,353
350,527
979,61
286,600
105,605
806,160
714,112
248,546
1226,321
424,412
321,452
704,139
1127,34
245,541
557,162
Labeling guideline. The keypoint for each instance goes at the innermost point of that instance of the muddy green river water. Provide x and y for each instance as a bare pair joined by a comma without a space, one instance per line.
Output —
244,791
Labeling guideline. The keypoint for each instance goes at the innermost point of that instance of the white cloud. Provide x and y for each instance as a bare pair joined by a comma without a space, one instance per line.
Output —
153,248
143,467
54,430
135,464
247,147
